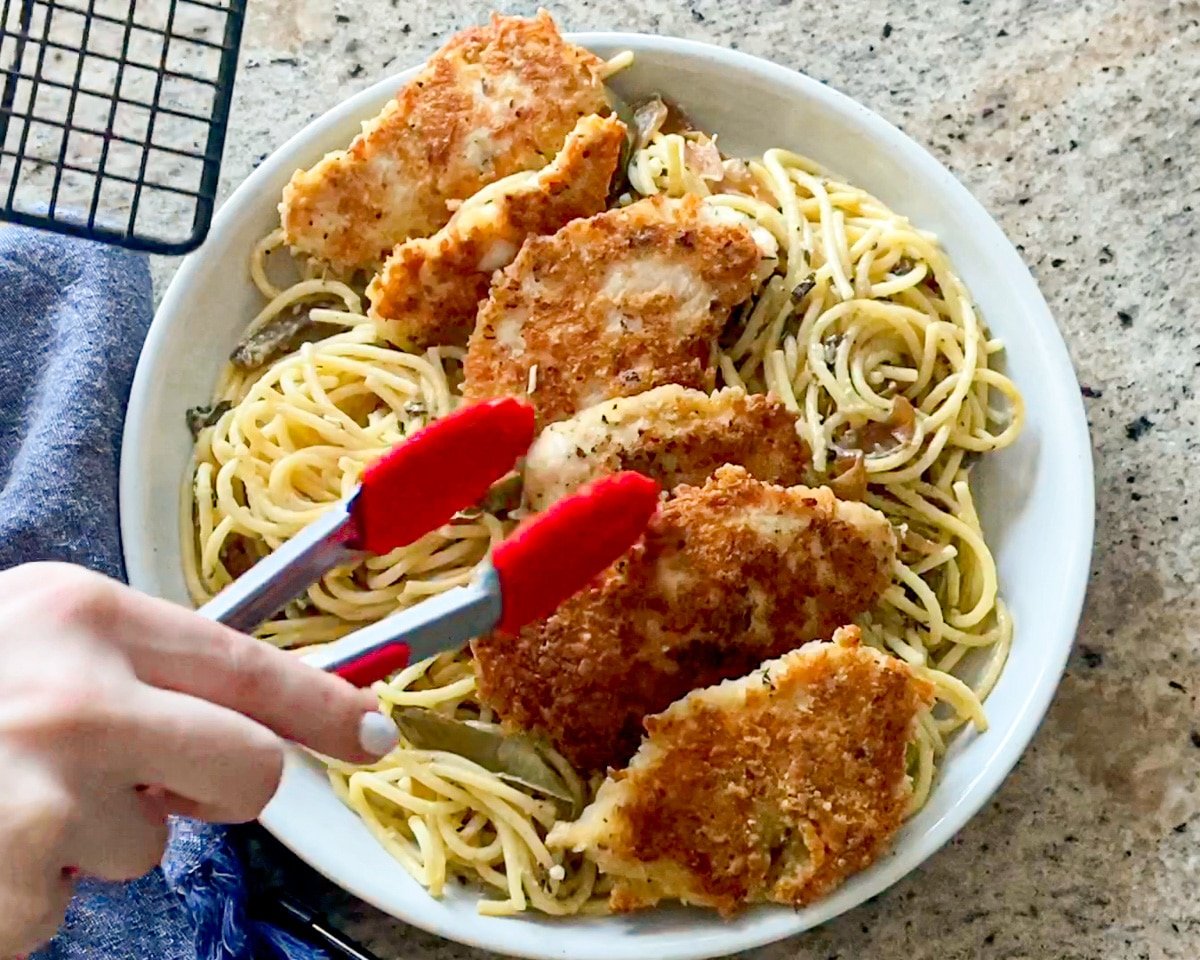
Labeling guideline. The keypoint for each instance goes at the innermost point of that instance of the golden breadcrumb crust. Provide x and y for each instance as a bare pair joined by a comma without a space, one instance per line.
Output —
428,292
495,100
727,575
774,787
611,306
672,434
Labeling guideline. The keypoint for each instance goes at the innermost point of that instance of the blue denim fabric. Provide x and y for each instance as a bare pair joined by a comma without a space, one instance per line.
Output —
72,319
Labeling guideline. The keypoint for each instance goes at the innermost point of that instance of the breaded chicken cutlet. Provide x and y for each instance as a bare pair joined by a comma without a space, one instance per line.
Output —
428,292
727,575
494,101
772,788
671,434
611,306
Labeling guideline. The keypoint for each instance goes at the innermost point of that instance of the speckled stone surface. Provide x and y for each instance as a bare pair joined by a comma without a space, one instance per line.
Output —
1078,126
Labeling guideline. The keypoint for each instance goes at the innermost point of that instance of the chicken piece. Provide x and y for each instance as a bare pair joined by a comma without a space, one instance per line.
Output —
674,435
727,575
611,306
774,787
493,101
429,290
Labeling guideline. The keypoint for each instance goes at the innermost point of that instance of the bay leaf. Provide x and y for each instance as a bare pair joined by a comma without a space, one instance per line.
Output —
513,757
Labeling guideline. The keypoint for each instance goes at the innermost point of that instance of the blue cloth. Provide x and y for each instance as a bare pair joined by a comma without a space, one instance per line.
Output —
72,319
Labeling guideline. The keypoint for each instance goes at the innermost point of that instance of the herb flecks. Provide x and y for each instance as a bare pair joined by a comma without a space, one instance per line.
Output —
206,415
802,290
277,338
504,496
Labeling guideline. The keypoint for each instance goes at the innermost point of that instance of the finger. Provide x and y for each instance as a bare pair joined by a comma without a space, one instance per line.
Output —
32,914
224,766
156,803
37,817
172,804
176,649
123,836
178,806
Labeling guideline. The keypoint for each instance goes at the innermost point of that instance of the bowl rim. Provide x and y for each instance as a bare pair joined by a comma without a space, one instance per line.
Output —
773,923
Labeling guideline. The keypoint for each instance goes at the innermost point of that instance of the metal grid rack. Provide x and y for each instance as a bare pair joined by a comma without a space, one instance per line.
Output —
113,116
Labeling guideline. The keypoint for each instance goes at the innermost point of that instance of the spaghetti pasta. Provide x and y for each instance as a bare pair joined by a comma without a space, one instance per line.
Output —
434,810
860,326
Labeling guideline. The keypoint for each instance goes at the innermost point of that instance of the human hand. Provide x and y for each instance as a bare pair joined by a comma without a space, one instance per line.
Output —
117,709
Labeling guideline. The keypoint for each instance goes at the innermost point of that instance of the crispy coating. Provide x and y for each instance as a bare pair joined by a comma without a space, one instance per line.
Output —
774,787
727,575
611,306
495,100
672,434
428,292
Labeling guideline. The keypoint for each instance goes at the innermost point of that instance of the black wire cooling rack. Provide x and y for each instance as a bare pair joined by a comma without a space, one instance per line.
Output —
113,116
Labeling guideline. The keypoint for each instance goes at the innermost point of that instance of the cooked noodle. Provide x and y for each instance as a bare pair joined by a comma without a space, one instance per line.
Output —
440,814
881,315
859,309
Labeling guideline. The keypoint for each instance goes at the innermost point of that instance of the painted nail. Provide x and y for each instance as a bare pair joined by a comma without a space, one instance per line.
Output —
377,734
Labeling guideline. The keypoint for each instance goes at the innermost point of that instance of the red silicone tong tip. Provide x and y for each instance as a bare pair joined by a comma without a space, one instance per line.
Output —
560,551
445,467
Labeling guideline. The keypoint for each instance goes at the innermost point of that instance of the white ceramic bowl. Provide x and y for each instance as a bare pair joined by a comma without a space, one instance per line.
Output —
1036,498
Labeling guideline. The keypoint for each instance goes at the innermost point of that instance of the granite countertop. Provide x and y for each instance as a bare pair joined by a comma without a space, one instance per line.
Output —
1078,126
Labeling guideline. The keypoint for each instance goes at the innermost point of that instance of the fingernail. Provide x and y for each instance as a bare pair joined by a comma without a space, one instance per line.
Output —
377,734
